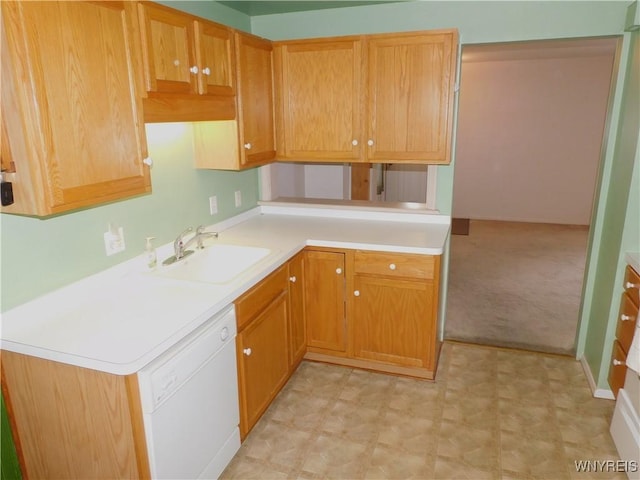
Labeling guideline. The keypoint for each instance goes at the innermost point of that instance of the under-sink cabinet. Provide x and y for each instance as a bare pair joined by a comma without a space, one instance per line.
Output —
72,118
373,310
370,98
262,346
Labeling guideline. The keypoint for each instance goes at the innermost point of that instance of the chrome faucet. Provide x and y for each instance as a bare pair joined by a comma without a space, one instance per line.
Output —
180,245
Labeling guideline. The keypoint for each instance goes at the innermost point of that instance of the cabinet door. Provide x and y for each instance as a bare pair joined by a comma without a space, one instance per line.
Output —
297,331
319,100
71,104
393,321
255,99
263,361
410,97
168,50
214,52
324,286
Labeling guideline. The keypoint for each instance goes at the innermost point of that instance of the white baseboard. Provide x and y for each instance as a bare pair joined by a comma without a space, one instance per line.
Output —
605,393
625,431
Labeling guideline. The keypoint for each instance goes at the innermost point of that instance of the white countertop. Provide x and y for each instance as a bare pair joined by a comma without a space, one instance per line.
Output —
119,320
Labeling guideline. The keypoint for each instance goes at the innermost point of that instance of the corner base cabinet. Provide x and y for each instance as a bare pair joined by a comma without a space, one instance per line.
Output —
382,313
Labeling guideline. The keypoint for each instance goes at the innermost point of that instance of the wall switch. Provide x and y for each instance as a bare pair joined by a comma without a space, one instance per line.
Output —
238,198
114,240
213,205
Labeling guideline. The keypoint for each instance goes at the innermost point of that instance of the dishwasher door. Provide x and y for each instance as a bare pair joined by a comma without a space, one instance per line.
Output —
190,404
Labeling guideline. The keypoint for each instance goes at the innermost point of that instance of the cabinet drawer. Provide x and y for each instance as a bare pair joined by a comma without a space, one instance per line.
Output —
626,322
395,264
617,368
632,284
256,300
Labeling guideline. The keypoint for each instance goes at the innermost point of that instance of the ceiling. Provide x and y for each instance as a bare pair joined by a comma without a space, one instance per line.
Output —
255,8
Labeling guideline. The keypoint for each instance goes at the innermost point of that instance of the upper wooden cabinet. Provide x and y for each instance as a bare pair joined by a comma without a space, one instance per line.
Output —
248,141
254,57
403,83
410,97
319,93
71,104
189,67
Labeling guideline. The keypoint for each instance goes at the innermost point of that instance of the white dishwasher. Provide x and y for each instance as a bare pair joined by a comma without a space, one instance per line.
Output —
190,403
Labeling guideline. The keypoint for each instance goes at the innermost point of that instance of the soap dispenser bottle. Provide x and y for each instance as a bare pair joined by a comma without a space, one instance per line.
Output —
150,253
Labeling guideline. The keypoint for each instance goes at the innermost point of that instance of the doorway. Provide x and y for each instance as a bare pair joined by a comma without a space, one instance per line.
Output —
531,119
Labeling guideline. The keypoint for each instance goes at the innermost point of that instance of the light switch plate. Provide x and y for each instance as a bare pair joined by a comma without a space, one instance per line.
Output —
213,205
238,195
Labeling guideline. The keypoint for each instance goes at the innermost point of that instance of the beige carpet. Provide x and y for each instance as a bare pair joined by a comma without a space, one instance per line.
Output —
516,285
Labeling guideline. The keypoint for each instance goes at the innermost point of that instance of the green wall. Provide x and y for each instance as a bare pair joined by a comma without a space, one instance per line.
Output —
489,22
619,217
40,255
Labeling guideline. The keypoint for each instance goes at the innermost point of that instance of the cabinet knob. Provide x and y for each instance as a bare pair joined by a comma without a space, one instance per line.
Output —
356,293
370,142
338,270
354,142
629,285
247,146
392,266
292,279
206,71
148,161
625,318
176,62
194,70
247,352
617,363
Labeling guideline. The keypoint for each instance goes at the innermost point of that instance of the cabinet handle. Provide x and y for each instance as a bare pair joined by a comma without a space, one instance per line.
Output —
176,62
356,293
392,266
629,285
206,71
247,352
194,70
292,279
617,363
148,161
624,317
354,142
338,270
370,142
247,146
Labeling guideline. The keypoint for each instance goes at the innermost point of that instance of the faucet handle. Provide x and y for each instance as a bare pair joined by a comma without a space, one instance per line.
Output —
190,229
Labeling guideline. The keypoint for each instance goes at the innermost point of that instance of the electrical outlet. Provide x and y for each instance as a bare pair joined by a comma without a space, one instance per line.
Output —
238,198
213,205
114,241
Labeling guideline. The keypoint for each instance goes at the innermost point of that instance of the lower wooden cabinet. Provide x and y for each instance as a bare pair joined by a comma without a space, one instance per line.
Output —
262,346
297,326
324,294
626,326
73,422
373,310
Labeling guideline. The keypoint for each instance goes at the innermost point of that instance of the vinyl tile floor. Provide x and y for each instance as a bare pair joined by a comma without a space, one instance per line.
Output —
491,413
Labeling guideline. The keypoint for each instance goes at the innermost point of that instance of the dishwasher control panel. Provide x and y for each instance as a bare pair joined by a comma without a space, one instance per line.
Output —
162,377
